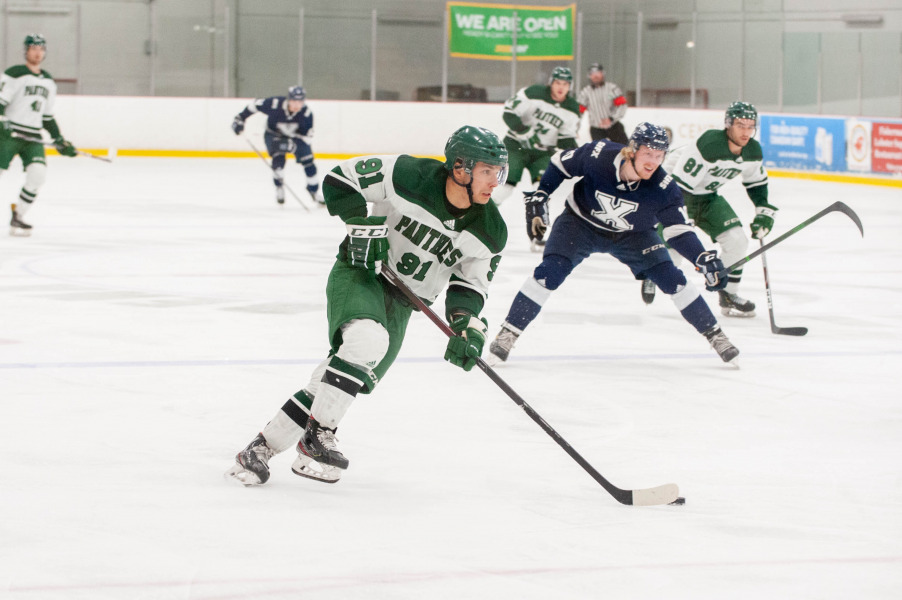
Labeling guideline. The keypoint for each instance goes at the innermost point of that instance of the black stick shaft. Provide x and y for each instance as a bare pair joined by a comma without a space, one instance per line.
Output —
622,496
836,206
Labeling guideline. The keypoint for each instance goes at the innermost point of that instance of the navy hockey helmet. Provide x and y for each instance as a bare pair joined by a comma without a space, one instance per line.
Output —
35,39
740,110
296,92
648,134
561,74
470,145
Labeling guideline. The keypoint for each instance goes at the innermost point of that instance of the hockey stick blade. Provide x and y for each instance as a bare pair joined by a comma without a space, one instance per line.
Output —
663,494
835,207
797,331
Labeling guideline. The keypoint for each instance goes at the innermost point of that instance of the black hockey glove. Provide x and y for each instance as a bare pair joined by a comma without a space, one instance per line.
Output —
367,243
238,125
466,346
65,147
716,275
536,214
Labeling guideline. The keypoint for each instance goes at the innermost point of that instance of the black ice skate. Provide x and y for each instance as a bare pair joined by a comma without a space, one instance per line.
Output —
252,464
721,344
537,245
318,454
17,226
648,291
732,305
502,345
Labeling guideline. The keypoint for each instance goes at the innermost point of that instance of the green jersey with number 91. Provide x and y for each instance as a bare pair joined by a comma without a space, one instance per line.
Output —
431,243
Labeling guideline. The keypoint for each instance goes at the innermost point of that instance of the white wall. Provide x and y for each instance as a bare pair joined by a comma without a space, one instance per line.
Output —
341,127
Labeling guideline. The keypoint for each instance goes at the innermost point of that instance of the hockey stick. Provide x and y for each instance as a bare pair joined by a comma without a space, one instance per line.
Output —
835,207
285,185
663,494
26,138
798,331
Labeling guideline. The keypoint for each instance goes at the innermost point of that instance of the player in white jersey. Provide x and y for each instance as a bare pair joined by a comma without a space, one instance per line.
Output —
701,170
434,223
541,120
27,95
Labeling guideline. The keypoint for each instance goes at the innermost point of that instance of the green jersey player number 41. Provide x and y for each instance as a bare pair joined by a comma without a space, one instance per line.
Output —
433,223
27,96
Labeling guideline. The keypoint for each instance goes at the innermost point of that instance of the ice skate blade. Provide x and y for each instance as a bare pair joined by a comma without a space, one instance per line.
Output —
17,232
241,476
732,312
309,468
493,360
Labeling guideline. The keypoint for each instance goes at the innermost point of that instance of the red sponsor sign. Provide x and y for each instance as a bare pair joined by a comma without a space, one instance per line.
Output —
886,144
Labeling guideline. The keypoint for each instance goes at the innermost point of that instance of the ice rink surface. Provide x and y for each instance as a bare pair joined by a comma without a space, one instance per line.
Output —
164,309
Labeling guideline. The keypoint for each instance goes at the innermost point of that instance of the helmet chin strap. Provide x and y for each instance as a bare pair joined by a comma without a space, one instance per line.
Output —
466,186
633,185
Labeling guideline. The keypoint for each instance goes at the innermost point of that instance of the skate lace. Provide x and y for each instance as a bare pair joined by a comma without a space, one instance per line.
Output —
720,342
327,439
263,452
506,339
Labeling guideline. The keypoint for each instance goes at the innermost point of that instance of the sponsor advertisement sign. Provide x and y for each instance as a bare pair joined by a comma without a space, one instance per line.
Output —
485,31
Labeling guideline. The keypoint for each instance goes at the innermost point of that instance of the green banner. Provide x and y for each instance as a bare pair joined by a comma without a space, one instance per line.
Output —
485,31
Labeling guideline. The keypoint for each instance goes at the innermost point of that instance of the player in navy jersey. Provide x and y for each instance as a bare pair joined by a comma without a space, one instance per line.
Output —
289,128
613,209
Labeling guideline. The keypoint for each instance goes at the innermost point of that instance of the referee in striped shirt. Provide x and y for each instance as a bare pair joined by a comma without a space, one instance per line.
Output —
606,105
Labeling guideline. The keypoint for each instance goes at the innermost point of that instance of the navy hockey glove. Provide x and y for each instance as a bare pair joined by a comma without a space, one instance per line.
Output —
367,243
536,214
716,275
238,125
466,346
64,147
284,146
764,221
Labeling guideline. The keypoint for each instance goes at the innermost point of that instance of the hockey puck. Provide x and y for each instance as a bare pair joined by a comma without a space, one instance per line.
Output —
679,501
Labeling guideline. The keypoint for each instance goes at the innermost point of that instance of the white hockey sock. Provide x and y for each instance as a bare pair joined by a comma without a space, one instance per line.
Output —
282,432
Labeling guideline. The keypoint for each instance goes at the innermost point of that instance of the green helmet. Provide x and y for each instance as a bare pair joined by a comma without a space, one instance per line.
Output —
740,110
470,145
35,39
562,74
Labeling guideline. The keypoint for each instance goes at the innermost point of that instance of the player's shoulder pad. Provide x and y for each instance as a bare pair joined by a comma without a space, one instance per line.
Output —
488,226
17,71
713,145
604,149
571,104
662,178
538,92
753,151
46,74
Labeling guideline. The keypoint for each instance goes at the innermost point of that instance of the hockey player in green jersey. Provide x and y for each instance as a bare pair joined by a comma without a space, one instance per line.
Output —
434,223
541,120
700,171
27,95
